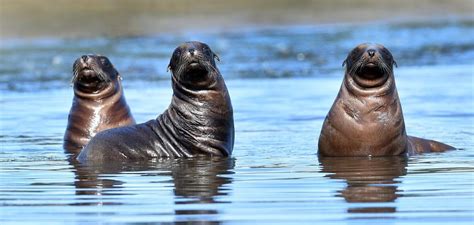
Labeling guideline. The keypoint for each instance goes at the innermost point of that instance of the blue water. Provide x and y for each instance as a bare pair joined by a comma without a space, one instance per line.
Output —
282,83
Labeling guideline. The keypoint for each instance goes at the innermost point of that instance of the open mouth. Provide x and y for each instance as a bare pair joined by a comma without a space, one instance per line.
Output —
370,64
371,71
194,64
89,78
371,75
196,68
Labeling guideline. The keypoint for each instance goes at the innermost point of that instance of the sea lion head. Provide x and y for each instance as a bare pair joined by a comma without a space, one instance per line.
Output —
370,65
193,65
93,73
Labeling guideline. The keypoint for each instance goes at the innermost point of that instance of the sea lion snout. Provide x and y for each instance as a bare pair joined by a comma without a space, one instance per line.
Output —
82,63
192,54
84,67
85,59
191,51
89,61
371,52
372,58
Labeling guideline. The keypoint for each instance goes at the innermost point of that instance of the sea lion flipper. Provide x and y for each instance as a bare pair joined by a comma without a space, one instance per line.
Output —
421,145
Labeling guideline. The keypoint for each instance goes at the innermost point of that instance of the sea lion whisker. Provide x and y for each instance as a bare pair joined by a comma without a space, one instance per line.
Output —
75,72
385,68
75,76
209,66
357,66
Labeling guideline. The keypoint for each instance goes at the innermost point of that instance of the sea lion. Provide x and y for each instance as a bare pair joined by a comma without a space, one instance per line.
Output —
98,103
199,120
366,118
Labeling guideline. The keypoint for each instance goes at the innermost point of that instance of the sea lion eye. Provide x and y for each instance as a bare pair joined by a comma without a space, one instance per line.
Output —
177,53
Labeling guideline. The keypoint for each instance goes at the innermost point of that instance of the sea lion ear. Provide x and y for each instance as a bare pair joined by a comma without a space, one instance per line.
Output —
344,62
170,68
395,63
216,57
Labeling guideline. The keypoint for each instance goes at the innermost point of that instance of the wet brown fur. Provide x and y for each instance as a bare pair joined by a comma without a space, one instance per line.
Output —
366,118
98,104
199,120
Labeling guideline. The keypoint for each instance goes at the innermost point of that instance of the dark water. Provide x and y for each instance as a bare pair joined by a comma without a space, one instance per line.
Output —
274,175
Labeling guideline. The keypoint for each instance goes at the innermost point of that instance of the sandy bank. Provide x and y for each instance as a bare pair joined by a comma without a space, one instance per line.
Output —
68,18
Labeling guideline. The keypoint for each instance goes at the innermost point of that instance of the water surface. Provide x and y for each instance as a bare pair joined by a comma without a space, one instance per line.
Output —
282,82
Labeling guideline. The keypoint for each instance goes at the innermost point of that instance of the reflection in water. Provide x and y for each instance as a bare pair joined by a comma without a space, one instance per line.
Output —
88,181
198,182
195,180
368,180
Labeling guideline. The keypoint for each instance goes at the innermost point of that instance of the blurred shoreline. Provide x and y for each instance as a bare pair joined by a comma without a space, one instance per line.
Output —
114,18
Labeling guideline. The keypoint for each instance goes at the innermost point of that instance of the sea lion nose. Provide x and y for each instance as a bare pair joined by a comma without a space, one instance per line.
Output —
191,51
371,52
84,58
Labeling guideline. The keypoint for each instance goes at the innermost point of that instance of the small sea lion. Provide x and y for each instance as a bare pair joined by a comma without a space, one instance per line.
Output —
98,104
366,118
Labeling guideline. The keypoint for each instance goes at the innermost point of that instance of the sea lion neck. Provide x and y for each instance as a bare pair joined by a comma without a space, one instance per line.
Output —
215,99
109,89
205,115
355,89
213,82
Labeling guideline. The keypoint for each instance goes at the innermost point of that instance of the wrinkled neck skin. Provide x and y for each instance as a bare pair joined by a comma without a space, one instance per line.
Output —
355,90
198,121
108,90
364,121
